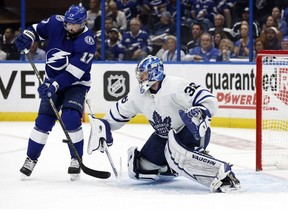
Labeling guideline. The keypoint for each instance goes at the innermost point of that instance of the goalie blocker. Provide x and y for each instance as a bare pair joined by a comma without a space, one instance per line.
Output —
100,135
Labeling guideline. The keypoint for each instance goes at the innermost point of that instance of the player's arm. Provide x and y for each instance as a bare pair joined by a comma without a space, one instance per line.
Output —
36,32
100,132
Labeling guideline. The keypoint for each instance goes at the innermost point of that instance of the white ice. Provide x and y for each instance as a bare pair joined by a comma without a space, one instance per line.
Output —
49,190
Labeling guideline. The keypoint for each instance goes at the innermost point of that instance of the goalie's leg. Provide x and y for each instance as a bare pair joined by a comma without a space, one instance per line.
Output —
150,163
141,169
200,167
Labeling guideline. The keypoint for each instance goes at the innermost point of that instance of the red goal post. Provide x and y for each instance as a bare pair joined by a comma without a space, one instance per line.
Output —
272,110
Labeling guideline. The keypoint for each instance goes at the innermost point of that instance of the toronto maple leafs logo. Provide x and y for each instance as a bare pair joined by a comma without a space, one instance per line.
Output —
161,127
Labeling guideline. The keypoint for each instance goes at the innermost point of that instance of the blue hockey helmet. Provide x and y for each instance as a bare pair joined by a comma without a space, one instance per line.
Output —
76,15
149,71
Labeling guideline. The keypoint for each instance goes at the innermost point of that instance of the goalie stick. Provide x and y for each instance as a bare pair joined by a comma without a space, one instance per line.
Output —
105,145
88,171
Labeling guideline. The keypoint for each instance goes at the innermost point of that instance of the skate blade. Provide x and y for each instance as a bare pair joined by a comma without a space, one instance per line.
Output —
24,177
75,177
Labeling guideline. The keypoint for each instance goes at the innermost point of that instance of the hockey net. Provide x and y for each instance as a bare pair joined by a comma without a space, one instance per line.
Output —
272,110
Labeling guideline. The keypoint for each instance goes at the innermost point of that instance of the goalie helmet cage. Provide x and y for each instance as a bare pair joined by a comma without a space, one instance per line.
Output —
272,110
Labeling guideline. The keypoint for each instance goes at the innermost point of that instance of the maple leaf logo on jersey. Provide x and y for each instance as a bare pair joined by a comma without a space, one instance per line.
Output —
57,59
161,127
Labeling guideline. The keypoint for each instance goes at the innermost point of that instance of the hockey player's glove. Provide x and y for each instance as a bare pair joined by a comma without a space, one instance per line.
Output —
100,135
25,40
46,91
197,119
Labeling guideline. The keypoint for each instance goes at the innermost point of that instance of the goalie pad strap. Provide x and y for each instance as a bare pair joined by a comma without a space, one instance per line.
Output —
194,165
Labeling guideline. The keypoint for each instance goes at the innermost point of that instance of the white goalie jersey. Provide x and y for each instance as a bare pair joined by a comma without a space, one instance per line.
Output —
161,109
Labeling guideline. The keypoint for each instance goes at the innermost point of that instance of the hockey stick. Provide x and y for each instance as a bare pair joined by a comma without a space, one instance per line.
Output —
88,171
104,144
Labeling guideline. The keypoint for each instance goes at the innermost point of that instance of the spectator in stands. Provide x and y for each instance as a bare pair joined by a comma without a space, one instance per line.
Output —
226,48
165,25
8,46
172,8
94,16
163,48
281,23
205,52
285,15
259,45
154,7
36,53
219,22
98,53
161,29
130,8
136,42
170,55
196,30
203,12
108,25
262,9
119,18
225,7
245,17
241,47
149,14
217,39
271,38
114,51
269,22
284,43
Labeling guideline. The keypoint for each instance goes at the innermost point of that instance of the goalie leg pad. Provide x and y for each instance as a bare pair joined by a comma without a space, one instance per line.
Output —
194,165
141,169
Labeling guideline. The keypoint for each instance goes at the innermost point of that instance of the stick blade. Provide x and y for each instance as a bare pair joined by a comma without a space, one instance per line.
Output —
95,173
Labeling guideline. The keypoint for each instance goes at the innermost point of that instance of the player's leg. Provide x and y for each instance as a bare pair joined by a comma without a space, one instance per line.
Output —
72,118
150,162
38,137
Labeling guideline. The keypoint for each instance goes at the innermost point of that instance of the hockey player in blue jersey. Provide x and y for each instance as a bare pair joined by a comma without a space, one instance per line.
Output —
180,112
69,53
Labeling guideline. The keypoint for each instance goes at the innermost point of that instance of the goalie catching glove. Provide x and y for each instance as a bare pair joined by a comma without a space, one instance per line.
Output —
100,135
197,119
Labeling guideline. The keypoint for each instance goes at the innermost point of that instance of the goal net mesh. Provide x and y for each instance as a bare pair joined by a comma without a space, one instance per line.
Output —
274,111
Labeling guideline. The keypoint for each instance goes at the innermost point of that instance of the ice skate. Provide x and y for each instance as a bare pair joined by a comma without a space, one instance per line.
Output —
27,168
74,170
226,185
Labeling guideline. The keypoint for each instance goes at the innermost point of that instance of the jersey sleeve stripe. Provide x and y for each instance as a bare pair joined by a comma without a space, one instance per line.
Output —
75,71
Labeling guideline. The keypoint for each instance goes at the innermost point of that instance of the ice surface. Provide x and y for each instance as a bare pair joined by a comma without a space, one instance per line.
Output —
50,192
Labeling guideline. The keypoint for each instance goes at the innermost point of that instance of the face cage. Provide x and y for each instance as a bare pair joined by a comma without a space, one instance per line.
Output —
144,85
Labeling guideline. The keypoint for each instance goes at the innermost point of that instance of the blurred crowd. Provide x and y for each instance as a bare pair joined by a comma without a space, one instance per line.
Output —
211,30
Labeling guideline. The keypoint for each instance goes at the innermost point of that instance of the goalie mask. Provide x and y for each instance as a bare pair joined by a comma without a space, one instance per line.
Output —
75,19
149,71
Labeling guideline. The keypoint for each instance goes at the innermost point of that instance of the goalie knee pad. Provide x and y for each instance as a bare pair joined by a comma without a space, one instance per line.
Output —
141,169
